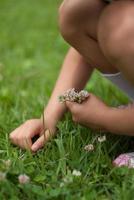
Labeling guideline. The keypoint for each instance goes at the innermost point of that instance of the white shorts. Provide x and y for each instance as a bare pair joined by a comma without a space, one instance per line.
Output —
119,80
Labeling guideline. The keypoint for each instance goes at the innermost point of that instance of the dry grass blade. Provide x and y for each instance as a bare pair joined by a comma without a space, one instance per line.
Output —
27,144
45,132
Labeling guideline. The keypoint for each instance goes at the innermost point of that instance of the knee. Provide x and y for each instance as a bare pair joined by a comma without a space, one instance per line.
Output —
67,20
115,30
73,17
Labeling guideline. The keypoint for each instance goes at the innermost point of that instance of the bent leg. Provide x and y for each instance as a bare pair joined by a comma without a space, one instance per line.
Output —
116,36
78,22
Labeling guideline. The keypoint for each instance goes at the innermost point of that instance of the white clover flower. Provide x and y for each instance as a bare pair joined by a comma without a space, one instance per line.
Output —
68,179
2,176
76,173
23,179
71,95
83,94
7,163
62,184
89,147
102,139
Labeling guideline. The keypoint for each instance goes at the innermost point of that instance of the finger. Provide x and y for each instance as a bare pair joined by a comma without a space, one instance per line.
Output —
22,136
13,137
38,144
22,141
25,143
13,140
41,141
71,105
30,129
33,127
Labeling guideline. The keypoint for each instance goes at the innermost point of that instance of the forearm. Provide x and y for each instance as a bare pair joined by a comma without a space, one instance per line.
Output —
75,73
120,121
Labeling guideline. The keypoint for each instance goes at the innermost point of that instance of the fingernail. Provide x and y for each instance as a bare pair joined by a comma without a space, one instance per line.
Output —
34,148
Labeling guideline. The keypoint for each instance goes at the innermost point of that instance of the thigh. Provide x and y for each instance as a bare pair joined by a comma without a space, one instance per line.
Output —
84,14
116,36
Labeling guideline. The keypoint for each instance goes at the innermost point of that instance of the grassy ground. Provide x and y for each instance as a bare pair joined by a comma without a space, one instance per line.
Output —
31,52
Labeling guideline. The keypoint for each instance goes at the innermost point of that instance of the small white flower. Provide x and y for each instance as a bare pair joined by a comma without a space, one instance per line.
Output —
76,173
68,179
89,147
2,176
62,184
102,139
7,163
23,179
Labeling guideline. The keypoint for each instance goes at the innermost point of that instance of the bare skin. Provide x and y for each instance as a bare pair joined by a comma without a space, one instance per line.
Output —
85,27
79,73
94,113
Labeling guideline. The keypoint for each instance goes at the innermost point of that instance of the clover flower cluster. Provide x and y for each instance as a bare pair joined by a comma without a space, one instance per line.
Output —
2,176
72,95
69,177
102,138
76,173
91,147
23,179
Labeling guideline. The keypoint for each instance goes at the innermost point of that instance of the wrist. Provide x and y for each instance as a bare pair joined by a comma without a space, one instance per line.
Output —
54,113
112,120
106,118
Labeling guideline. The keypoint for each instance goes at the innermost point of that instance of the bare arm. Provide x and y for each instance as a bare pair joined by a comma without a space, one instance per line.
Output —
75,73
94,113
120,121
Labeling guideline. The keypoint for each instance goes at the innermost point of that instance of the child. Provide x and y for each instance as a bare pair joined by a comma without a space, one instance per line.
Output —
101,35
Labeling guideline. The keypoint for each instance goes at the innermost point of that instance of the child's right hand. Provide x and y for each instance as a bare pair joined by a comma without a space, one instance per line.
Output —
22,136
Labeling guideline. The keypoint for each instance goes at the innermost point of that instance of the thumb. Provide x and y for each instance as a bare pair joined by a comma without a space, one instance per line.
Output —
41,141
71,105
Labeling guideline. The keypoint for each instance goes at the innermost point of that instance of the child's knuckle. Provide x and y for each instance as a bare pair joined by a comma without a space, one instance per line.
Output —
14,140
25,138
11,136
17,138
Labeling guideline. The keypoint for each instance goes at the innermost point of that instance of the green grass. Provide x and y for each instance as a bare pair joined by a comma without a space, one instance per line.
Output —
31,53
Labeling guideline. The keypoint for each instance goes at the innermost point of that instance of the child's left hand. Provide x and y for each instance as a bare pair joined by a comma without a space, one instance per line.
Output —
92,112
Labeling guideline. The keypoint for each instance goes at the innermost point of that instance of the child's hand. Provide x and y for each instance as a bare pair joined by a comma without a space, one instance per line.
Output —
22,136
91,112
